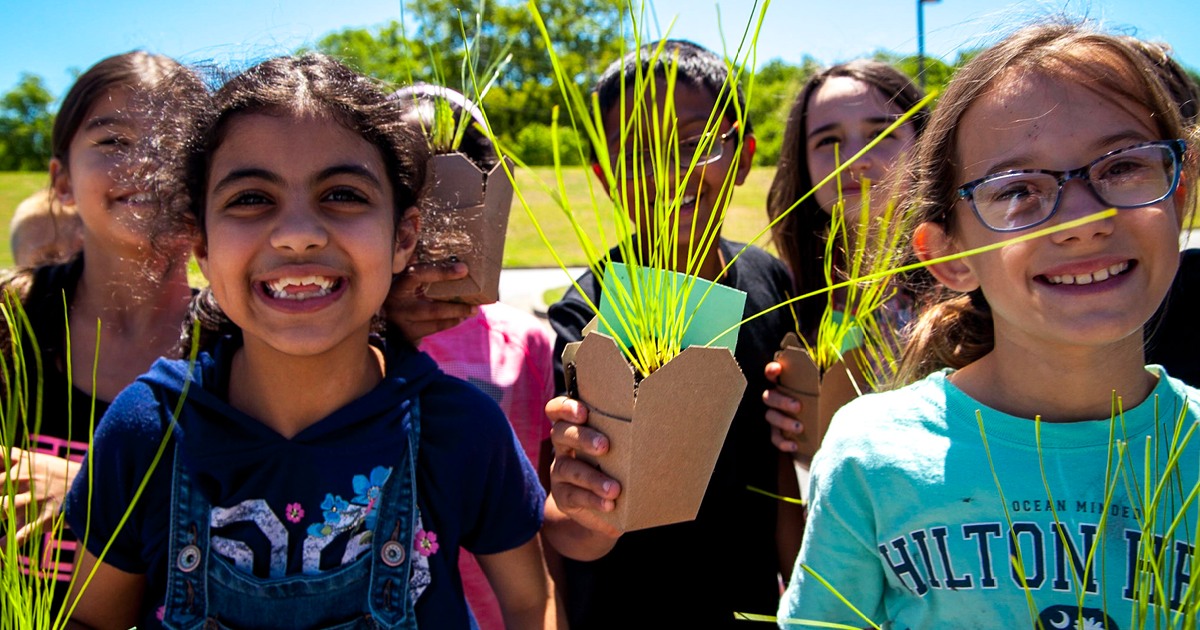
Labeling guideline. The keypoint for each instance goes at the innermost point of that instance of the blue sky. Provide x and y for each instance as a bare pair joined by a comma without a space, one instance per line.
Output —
52,38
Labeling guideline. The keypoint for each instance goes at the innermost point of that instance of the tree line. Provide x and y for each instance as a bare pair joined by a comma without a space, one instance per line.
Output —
429,43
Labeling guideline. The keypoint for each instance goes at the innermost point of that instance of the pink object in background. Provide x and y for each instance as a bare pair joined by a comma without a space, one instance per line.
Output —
506,352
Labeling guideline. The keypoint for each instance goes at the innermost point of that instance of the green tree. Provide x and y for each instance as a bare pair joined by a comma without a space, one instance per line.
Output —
25,126
776,85
429,45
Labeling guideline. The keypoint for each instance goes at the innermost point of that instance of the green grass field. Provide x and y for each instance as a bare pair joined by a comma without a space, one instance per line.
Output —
523,246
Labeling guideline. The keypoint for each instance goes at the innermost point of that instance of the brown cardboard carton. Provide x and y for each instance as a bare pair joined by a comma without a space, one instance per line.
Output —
820,395
664,433
465,218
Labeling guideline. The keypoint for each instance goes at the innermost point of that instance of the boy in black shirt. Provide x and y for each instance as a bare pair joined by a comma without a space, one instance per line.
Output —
697,573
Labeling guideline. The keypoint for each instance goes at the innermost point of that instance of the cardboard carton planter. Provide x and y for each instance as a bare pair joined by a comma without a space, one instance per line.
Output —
464,218
664,433
820,395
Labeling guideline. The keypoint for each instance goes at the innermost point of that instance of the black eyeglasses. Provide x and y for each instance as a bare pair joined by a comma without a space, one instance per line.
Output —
1132,177
691,150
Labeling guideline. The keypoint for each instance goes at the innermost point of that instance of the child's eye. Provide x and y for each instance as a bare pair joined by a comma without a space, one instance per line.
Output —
247,200
114,141
345,195
1122,170
875,133
827,141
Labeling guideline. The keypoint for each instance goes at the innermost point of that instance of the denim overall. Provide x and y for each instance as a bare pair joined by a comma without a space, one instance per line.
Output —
205,591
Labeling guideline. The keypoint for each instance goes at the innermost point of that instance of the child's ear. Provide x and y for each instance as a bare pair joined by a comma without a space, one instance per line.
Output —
1182,212
406,239
599,172
930,241
745,159
200,251
60,181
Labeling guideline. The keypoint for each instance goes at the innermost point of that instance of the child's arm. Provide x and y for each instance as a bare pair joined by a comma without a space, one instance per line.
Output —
789,519
417,316
111,600
578,490
522,586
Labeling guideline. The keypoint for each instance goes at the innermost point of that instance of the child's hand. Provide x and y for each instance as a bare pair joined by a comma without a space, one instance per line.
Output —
37,479
578,489
783,412
417,316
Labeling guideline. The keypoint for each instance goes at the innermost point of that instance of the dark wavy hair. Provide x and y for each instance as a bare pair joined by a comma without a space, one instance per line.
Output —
312,85
956,329
800,236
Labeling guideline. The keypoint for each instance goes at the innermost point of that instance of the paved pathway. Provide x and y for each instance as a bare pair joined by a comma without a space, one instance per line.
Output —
523,288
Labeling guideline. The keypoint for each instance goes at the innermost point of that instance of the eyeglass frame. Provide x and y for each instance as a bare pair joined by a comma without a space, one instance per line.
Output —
1177,148
719,144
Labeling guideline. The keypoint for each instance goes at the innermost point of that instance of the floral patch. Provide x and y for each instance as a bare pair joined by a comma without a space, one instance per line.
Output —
332,509
294,512
368,490
426,543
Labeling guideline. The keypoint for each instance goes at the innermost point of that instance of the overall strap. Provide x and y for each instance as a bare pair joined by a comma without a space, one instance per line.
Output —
391,602
187,551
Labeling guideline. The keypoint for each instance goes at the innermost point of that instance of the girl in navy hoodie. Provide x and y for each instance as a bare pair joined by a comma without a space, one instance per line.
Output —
316,471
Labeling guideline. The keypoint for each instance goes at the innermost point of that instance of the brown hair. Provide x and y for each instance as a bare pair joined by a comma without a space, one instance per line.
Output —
800,236
955,329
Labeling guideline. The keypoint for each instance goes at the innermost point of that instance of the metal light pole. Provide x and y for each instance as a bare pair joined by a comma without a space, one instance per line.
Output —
921,40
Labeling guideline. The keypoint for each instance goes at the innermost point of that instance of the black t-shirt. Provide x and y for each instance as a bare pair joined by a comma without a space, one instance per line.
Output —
1172,335
699,573
66,410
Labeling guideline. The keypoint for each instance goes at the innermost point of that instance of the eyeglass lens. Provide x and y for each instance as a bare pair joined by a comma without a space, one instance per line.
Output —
1125,179
695,149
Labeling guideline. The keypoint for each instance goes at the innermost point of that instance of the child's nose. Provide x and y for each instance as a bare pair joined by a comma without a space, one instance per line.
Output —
299,229
1077,199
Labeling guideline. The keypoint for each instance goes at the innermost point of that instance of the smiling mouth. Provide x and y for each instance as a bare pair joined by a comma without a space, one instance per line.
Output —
1090,278
301,287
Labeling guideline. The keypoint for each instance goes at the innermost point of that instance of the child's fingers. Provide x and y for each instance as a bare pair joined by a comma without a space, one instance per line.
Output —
567,410
421,274
783,422
772,371
569,439
20,504
36,525
418,318
781,402
781,442
566,471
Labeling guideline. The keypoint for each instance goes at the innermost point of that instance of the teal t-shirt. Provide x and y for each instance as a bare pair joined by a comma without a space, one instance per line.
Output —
909,524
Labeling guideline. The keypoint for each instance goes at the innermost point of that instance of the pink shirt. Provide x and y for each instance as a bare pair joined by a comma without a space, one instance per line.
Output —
506,352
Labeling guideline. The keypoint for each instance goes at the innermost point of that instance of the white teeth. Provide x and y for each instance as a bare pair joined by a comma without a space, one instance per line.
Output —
278,287
687,201
1088,278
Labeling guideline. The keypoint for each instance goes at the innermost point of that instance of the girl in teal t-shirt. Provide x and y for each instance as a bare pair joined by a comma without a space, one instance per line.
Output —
944,504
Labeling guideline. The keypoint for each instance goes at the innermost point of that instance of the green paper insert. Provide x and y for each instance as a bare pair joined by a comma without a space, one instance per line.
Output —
722,308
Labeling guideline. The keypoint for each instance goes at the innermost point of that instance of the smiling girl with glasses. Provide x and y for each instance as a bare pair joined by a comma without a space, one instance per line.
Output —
989,492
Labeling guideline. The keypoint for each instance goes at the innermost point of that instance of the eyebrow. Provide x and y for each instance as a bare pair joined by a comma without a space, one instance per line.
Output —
357,170
875,120
106,121
261,173
1101,146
